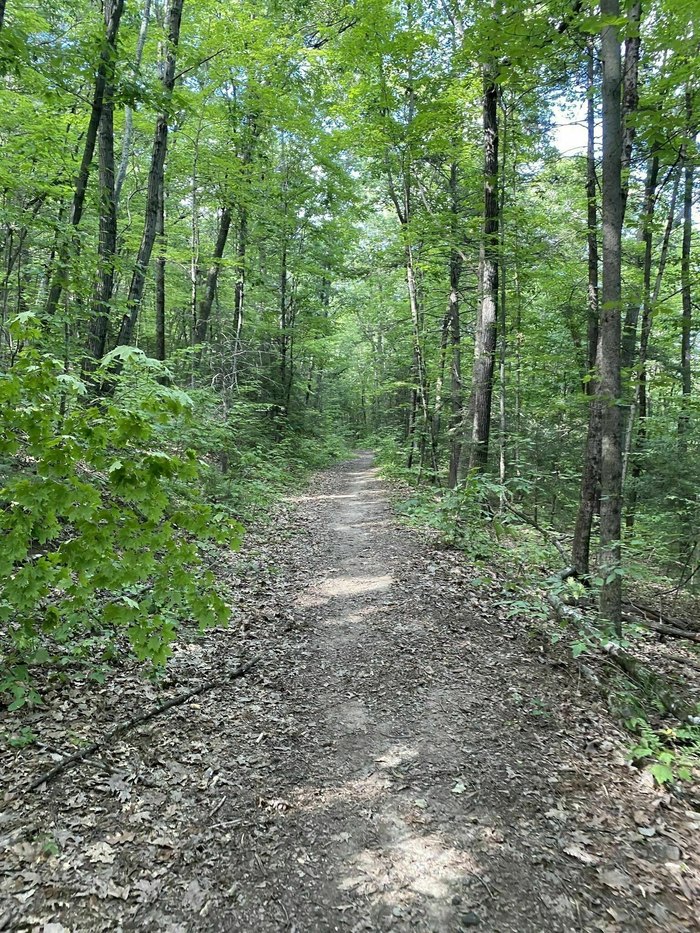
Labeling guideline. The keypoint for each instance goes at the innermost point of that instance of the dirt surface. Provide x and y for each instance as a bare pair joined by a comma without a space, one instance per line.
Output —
404,758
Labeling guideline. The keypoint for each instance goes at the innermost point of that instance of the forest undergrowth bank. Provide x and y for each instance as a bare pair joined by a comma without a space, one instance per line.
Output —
650,678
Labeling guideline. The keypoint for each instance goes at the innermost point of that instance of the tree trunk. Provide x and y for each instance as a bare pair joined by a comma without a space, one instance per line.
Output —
128,111
107,248
155,179
485,348
160,274
644,238
630,93
639,302
239,290
686,299
105,70
455,367
608,388
650,301
502,318
590,475
207,301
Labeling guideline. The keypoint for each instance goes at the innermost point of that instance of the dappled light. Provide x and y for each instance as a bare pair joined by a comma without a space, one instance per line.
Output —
349,466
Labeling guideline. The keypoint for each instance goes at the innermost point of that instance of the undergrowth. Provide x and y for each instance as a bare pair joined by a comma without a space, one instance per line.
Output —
473,519
113,505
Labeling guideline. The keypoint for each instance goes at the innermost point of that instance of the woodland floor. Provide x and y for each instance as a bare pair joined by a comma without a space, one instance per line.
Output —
403,758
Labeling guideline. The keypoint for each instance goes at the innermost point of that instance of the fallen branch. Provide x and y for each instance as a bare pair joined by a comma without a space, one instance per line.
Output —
547,535
662,629
123,727
645,610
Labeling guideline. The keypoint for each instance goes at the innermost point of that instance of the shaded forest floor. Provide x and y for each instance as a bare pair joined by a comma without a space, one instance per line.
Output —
402,758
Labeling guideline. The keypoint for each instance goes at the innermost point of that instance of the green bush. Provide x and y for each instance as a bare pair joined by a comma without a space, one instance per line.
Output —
101,523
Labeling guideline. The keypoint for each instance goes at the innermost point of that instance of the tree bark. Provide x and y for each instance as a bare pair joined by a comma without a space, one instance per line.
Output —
107,248
105,70
128,111
155,179
207,301
686,296
160,274
608,387
486,330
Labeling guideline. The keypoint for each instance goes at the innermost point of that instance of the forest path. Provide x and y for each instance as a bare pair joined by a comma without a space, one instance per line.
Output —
405,758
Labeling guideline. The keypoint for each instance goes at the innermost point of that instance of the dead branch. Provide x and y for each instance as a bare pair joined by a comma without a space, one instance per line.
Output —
547,535
662,629
127,725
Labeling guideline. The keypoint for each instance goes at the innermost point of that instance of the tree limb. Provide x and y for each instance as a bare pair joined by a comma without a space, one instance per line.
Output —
127,725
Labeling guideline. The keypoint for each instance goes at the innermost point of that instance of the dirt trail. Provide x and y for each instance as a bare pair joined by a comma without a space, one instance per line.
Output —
405,761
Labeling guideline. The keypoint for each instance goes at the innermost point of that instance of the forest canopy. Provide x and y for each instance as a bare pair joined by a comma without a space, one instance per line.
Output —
237,237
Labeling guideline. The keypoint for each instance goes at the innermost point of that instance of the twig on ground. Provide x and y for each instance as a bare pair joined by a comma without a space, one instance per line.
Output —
123,727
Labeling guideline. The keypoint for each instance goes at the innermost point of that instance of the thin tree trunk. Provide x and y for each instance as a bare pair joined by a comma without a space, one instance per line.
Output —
647,320
105,70
644,238
283,337
455,367
195,240
590,475
610,323
502,318
155,179
630,94
107,249
239,289
638,304
686,299
207,301
160,274
128,111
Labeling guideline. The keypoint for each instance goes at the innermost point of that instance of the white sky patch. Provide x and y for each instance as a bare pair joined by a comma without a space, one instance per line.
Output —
569,132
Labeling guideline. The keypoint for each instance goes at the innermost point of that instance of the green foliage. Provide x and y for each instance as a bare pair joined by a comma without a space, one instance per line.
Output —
102,525
669,753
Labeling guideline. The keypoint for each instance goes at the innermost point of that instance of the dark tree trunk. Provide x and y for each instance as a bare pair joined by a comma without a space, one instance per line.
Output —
644,237
97,334
239,289
207,301
155,180
686,296
630,93
105,70
650,301
608,386
160,274
283,336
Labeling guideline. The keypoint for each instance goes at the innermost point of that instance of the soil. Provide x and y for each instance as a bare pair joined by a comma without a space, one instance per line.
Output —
404,757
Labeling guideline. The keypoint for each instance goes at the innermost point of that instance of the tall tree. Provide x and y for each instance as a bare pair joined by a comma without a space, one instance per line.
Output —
609,382
155,179
105,69
477,444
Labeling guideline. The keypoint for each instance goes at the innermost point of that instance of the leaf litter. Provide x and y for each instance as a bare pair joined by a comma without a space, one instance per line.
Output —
379,770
